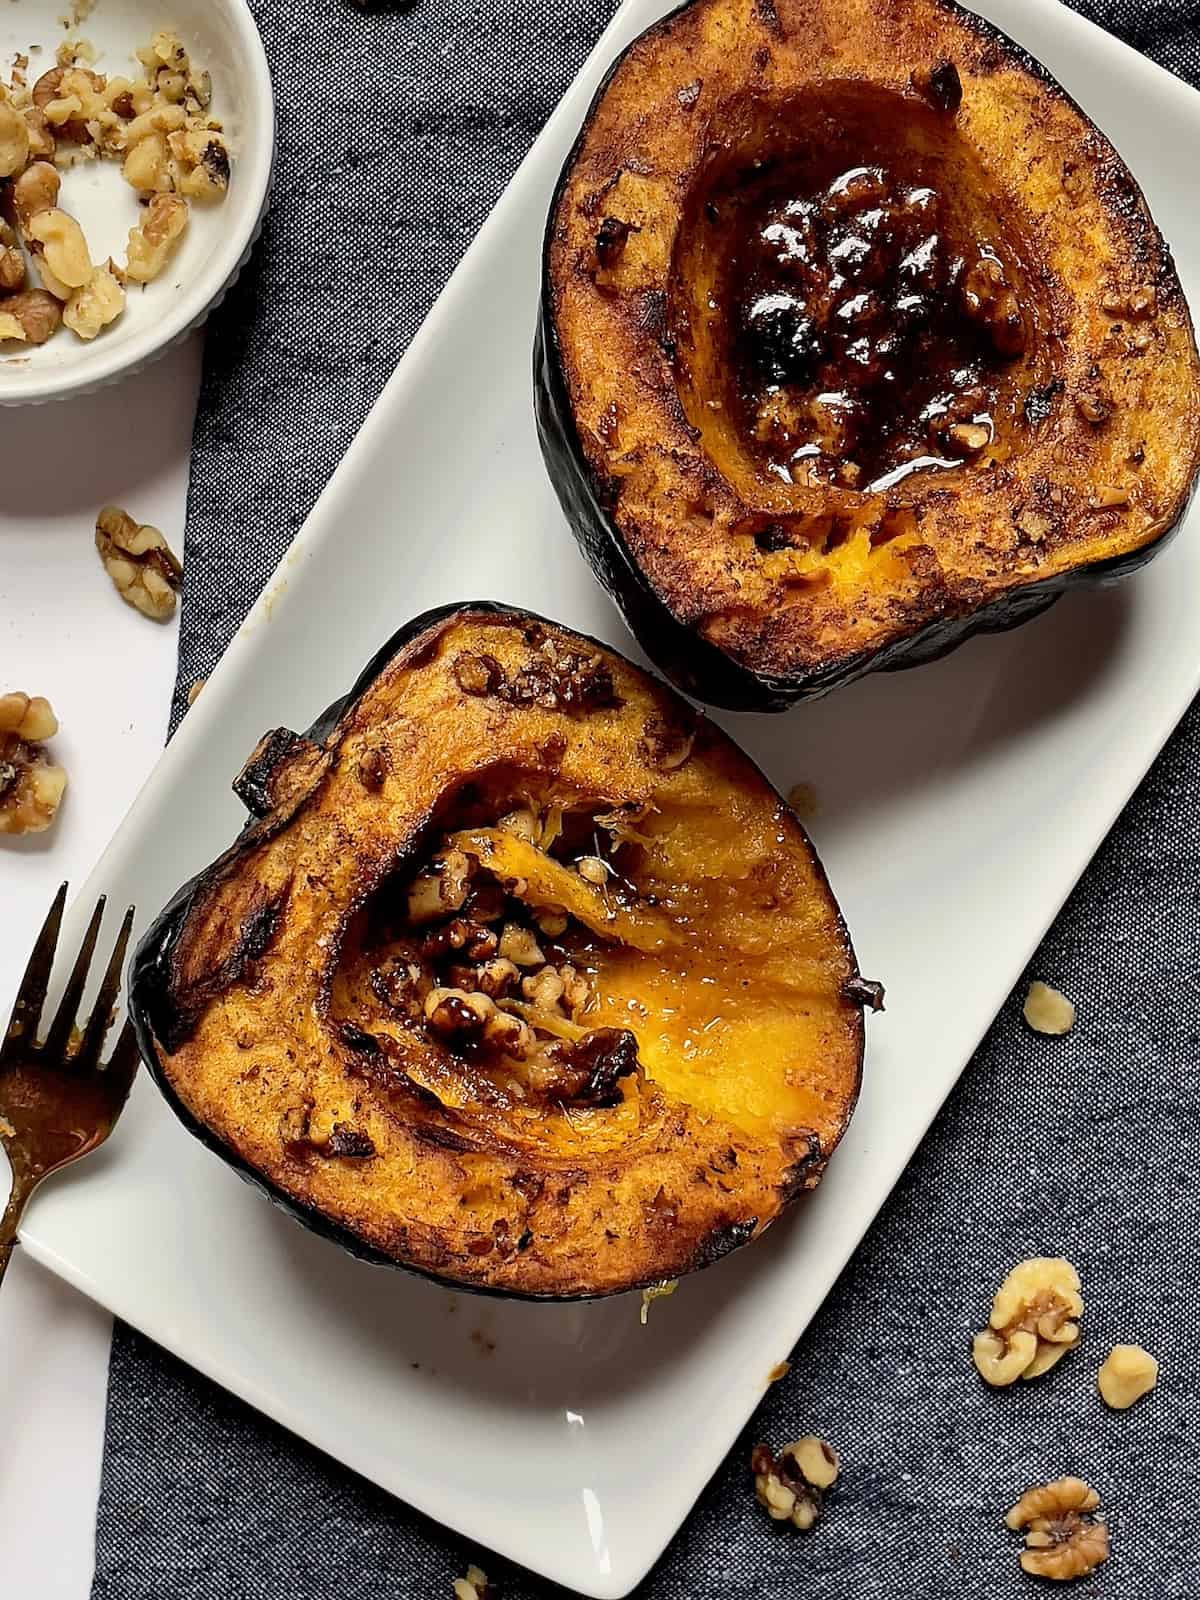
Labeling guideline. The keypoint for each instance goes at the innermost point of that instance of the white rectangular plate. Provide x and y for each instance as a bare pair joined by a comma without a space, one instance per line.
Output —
959,804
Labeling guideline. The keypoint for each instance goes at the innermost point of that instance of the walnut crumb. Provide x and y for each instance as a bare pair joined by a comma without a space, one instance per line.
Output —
1034,1322
1048,1011
7,1131
140,563
1093,406
1109,497
31,785
1128,1373
1062,1539
194,689
666,745
475,1586
791,1487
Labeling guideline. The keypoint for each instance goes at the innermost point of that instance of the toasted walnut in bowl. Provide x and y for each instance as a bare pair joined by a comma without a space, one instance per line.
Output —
135,156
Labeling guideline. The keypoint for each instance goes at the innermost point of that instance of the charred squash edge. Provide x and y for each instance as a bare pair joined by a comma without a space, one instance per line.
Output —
689,661
149,1003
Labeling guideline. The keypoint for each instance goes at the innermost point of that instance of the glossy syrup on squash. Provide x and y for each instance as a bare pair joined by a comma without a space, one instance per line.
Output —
524,976
867,341
551,947
849,308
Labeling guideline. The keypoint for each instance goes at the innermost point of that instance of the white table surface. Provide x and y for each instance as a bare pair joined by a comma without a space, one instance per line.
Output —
108,672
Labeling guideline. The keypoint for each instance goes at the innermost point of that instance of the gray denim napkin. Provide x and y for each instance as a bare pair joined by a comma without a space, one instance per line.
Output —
398,130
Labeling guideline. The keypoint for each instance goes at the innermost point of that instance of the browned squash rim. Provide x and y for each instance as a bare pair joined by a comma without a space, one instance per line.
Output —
168,1005
683,610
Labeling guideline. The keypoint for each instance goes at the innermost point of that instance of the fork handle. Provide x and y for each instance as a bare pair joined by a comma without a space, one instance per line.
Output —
9,1222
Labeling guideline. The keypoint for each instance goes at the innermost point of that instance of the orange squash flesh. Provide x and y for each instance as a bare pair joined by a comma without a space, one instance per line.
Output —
972,381
711,937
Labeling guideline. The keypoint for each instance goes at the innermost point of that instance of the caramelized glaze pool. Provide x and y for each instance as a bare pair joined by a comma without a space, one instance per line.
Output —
866,340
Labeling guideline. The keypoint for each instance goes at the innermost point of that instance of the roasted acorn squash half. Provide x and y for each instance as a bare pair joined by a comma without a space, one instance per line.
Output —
521,976
856,337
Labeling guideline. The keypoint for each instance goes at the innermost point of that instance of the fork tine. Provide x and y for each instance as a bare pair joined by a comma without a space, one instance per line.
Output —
100,1020
122,1067
31,996
64,1017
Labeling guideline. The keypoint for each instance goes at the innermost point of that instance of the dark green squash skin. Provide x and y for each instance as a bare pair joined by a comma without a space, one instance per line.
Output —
150,1009
691,663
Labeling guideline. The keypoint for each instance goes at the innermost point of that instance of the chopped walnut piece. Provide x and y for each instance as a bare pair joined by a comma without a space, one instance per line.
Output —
1128,1373
29,717
31,785
14,140
139,562
153,241
1033,1321
201,163
1033,525
474,1586
478,675
457,1013
12,269
1001,1360
1062,1539
1048,1011
35,191
441,888
559,677
147,167
93,306
194,689
577,991
989,299
1093,406
518,945
791,1488
666,746
968,438
1109,497
543,989
1137,304
56,239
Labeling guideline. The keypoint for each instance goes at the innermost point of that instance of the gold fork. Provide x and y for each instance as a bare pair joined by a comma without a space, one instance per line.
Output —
57,1102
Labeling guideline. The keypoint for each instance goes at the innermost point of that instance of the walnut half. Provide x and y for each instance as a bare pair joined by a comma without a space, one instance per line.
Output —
1062,1539
139,562
31,785
1033,1322
791,1487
